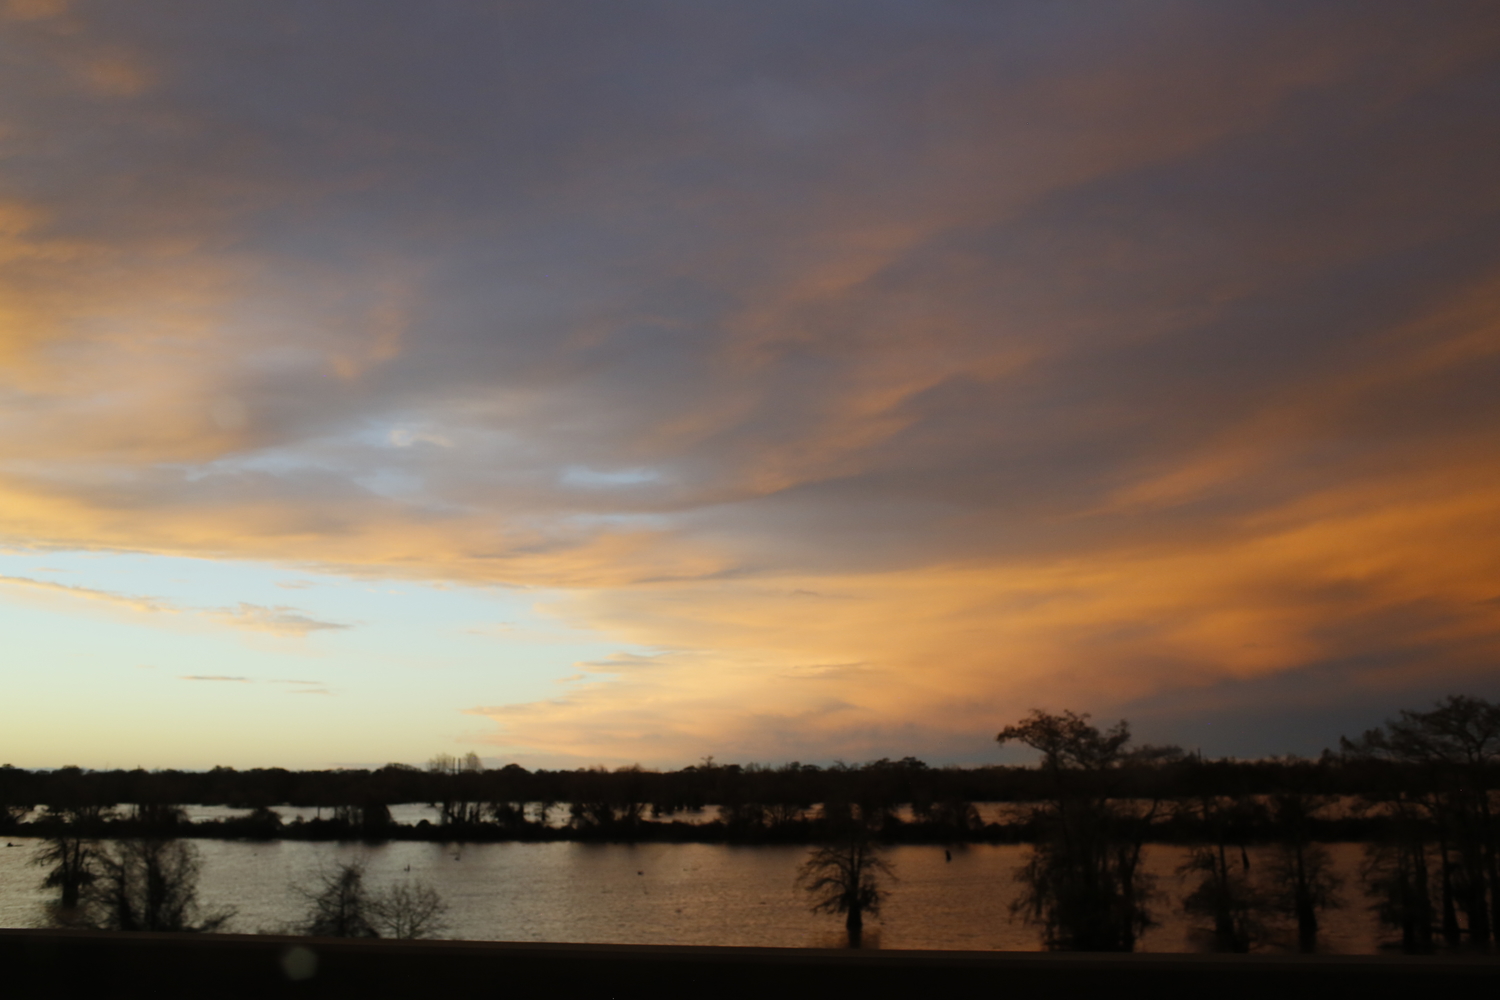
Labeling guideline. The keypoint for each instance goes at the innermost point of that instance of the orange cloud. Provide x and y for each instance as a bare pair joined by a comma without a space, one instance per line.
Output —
1093,358
281,620
35,10
950,651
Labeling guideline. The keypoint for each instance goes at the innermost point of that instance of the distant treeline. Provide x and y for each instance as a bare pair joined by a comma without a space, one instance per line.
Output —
905,799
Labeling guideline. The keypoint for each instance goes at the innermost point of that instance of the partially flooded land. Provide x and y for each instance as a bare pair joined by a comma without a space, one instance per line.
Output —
693,893
1104,846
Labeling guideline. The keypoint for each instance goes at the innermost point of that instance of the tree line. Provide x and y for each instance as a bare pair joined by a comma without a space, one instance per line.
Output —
751,803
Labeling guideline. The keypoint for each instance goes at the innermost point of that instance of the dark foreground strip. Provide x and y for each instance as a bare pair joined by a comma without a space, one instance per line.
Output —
101,966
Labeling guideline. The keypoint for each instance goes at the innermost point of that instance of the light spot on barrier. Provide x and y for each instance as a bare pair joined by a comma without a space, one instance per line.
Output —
299,963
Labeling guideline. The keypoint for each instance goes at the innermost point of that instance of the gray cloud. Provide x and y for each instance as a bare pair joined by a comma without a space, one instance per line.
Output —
677,299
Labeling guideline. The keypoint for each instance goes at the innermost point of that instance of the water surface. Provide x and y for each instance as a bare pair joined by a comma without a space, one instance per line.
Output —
705,894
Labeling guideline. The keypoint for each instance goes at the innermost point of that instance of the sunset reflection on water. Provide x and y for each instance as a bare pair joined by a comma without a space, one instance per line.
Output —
688,894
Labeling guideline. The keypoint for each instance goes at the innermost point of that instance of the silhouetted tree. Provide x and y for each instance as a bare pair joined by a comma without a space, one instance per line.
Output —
784,814
70,863
337,903
262,823
12,814
372,819
1397,873
1445,761
156,817
509,816
15,798
743,818
1225,891
1301,880
1084,883
340,905
148,884
844,875
70,850
408,910
958,816
460,802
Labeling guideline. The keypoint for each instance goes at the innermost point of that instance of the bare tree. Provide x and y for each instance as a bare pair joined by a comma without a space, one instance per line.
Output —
337,904
149,884
785,813
457,807
444,763
409,910
340,905
70,852
70,864
844,876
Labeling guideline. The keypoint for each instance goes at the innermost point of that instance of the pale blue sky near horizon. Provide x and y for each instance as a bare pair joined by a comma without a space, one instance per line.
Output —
385,679
191,686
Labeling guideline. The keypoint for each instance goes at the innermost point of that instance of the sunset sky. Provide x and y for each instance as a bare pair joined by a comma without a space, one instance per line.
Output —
613,382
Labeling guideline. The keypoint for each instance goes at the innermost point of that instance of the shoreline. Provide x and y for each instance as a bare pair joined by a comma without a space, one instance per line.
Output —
645,832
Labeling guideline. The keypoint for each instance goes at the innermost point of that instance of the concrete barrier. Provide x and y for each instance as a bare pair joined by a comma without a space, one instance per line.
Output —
102,966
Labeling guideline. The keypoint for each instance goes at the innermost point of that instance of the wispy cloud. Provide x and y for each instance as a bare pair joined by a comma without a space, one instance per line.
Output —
280,620
494,628
145,605
299,687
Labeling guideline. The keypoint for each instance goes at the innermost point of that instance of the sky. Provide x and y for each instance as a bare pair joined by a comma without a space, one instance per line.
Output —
603,383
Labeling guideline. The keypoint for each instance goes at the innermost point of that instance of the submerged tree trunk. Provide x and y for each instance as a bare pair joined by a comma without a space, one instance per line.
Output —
1450,911
855,925
1487,848
1307,910
1476,905
71,880
1417,931
71,859
1225,933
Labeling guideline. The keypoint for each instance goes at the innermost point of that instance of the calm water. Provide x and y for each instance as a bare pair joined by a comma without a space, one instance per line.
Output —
668,893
